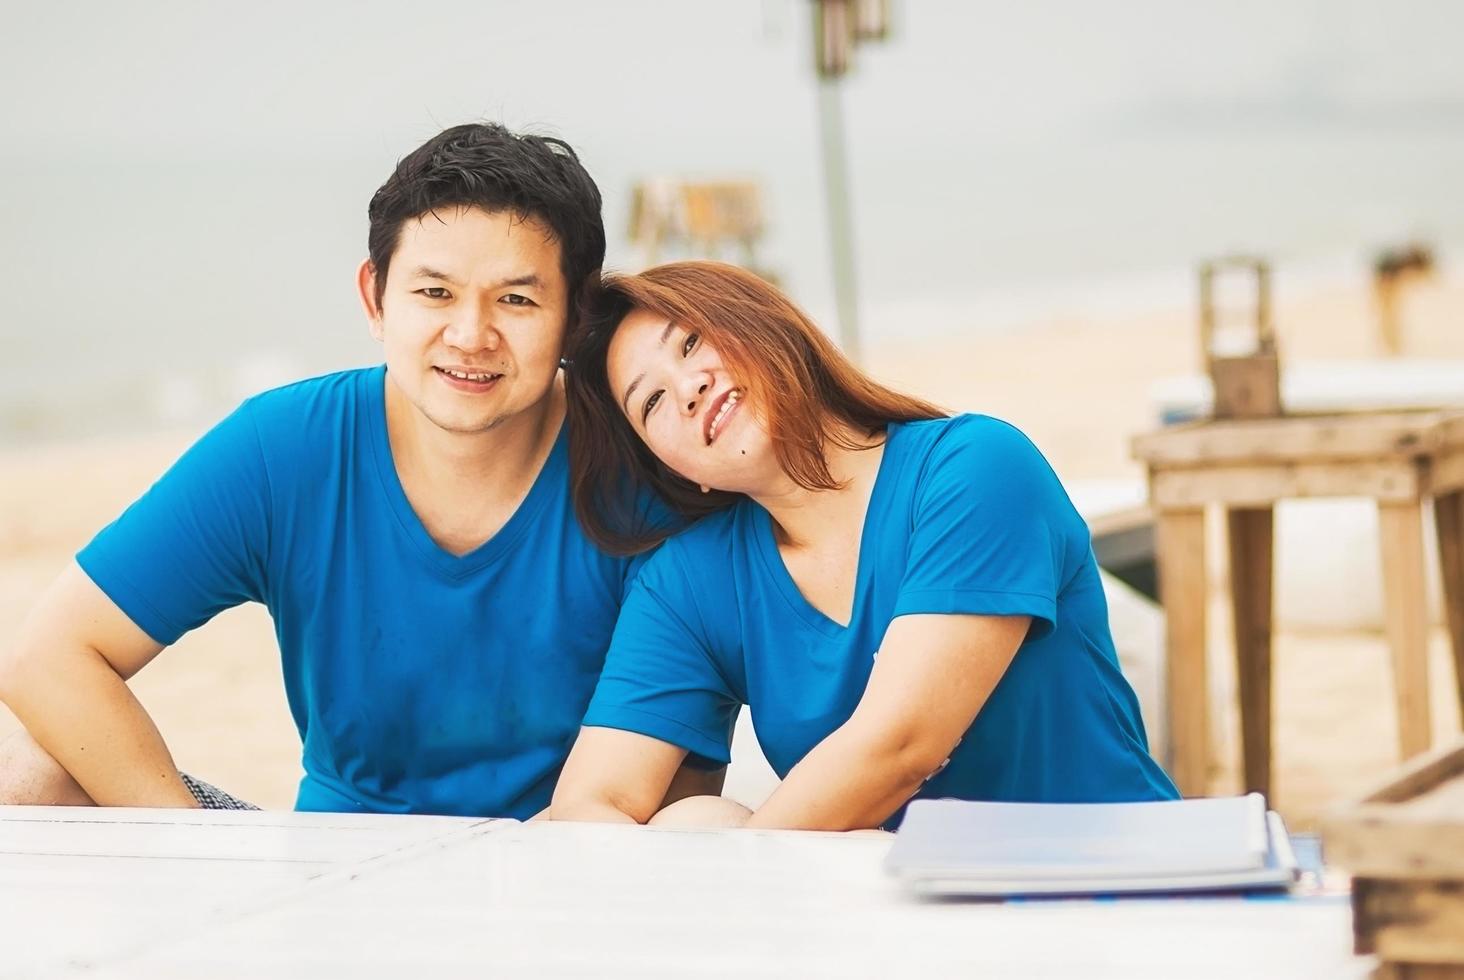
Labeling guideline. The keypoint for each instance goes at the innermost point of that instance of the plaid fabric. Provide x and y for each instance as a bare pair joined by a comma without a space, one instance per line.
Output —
210,797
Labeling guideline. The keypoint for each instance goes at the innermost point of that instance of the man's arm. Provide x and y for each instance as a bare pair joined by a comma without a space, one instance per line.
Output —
933,674
614,776
65,679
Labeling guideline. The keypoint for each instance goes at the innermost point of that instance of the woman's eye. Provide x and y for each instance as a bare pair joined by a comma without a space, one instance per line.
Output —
434,292
650,404
689,344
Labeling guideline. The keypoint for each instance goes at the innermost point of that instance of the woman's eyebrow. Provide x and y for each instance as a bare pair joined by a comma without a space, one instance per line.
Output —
630,389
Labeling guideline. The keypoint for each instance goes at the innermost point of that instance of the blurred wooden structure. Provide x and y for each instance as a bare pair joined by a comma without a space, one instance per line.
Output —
1246,384
1245,466
1393,270
1404,846
697,218
1244,461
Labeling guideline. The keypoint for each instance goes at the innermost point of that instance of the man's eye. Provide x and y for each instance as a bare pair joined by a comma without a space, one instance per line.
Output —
650,404
689,344
514,299
434,292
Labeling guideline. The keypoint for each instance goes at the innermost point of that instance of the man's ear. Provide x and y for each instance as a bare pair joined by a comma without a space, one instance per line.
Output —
366,286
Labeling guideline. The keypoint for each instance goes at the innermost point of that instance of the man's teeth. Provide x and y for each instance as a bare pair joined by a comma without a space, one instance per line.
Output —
463,376
727,406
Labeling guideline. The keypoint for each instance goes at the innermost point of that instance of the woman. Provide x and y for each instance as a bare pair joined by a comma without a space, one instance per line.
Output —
906,601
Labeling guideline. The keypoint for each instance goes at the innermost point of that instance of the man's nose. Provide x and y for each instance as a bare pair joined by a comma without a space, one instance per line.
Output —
471,329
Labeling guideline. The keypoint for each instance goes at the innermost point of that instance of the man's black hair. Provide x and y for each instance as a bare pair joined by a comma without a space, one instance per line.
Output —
484,165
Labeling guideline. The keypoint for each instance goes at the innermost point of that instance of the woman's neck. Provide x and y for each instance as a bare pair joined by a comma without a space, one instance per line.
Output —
807,519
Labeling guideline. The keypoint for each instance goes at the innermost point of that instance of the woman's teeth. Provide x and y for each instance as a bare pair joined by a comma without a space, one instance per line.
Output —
727,406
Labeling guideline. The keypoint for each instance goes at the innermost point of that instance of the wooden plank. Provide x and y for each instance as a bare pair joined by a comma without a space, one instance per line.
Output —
1404,828
1420,774
1251,552
1182,590
1261,486
1449,525
1418,971
1374,840
1246,387
1446,474
1410,922
1400,527
1371,436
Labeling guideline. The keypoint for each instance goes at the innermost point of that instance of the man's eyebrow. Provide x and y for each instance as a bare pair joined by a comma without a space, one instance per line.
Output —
526,279
427,272
630,389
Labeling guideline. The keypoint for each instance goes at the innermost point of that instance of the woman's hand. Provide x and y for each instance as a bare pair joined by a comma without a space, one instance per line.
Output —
709,812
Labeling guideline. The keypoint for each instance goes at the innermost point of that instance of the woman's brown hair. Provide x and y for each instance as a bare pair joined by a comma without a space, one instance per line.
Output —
802,386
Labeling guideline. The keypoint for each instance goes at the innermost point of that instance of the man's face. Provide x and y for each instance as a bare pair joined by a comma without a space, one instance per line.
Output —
472,316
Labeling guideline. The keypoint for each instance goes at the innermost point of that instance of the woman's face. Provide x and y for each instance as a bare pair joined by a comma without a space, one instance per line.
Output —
680,400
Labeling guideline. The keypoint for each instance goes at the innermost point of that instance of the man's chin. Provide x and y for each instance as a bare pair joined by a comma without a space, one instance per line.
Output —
469,426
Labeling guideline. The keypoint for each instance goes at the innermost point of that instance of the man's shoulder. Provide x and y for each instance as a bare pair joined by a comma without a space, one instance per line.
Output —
296,428
320,396
314,411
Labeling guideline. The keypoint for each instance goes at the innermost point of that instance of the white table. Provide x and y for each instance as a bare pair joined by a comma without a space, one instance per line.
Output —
157,894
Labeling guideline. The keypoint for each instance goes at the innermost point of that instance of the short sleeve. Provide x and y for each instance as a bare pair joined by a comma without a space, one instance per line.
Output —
660,677
989,526
196,543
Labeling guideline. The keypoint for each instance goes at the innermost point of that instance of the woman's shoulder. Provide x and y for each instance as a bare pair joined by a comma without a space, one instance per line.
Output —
965,439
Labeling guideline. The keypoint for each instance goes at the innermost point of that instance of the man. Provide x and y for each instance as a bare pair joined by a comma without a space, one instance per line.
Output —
441,617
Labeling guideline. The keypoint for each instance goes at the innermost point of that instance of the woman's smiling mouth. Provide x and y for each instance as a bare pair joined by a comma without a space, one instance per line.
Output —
719,411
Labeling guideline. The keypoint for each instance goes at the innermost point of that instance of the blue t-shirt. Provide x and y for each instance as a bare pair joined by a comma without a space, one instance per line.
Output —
420,681
965,517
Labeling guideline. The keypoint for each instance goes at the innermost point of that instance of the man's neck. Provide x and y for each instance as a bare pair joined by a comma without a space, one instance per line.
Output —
464,486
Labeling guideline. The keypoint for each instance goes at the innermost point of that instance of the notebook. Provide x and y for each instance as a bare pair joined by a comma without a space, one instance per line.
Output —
959,847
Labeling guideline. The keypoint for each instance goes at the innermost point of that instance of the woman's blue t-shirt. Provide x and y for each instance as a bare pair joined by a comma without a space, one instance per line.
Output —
966,517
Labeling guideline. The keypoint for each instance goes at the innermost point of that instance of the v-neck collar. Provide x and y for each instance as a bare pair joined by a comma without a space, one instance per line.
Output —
453,566
766,545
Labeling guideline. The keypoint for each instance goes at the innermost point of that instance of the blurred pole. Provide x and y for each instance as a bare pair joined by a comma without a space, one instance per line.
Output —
837,26
841,226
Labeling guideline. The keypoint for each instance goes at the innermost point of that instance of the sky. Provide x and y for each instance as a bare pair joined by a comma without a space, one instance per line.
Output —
183,185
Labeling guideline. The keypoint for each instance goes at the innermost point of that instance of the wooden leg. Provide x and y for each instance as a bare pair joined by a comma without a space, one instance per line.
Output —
1406,611
1181,560
1449,522
1250,595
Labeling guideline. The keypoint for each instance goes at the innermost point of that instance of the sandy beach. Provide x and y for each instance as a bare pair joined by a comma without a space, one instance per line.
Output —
1080,387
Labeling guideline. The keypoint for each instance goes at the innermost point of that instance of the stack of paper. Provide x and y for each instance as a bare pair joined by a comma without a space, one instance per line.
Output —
958,847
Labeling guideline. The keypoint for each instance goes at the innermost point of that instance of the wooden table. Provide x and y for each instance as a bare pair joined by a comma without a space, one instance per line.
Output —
1245,466
159,894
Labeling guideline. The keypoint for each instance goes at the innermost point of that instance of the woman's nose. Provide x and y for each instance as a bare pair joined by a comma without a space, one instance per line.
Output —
696,396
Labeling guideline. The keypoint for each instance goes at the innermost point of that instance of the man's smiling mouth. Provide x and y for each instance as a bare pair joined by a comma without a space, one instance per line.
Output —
470,379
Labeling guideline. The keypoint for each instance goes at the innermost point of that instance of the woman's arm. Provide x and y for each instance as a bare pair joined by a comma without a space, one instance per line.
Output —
614,776
933,674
